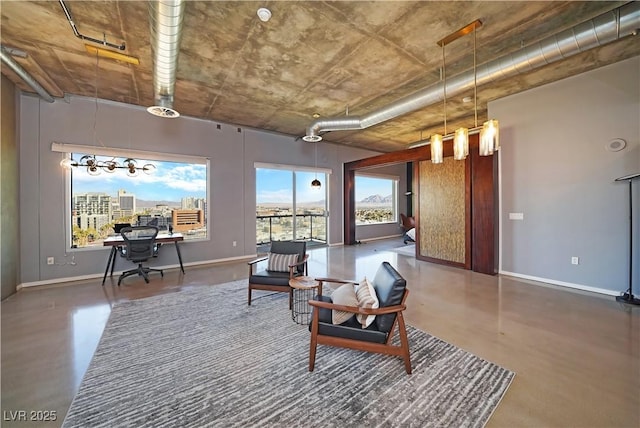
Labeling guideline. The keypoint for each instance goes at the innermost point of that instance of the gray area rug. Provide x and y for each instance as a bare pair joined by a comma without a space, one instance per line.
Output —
202,357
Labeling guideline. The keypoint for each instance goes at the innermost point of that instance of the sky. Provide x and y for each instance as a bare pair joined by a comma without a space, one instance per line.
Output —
170,181
274,185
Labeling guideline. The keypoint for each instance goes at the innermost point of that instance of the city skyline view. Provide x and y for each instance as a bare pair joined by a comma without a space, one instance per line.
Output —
172,181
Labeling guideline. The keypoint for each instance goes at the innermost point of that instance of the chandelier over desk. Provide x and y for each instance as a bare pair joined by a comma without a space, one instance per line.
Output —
95,166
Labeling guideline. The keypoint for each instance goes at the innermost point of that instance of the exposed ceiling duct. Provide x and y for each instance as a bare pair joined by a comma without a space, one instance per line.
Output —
608,27
22,73
165,18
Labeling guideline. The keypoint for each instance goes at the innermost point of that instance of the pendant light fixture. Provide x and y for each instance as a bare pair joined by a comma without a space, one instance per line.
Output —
489,137
436,148
316,184
461,137
436,139
91,162
489,132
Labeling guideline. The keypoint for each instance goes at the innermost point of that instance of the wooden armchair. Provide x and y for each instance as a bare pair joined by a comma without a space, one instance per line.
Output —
392,293
287,259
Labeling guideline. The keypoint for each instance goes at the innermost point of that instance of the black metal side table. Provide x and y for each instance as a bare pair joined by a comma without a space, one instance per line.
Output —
304,289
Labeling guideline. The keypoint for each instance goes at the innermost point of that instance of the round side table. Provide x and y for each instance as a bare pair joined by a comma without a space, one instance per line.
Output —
303,289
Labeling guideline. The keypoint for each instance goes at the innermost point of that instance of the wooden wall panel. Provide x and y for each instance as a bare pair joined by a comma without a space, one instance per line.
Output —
484,200
442,211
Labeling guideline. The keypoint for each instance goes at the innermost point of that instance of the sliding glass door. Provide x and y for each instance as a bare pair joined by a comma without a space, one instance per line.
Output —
288,207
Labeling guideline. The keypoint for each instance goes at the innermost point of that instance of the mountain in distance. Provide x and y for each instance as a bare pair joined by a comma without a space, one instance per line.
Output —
377,199
141,203
371,200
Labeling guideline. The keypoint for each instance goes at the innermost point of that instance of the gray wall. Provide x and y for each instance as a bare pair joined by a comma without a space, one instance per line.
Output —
232,180
556,171
9,192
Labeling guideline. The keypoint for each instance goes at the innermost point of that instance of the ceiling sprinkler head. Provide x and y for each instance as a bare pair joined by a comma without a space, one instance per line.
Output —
264,14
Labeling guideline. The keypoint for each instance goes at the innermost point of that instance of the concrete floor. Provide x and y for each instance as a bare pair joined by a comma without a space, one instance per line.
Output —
576,355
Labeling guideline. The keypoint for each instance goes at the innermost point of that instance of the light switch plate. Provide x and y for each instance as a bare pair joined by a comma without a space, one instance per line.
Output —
516,216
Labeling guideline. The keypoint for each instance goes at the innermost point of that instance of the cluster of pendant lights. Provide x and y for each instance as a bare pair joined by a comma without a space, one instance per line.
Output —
489,142
489,132
95,166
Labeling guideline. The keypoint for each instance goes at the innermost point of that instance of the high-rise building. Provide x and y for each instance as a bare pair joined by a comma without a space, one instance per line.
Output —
127,202
91,210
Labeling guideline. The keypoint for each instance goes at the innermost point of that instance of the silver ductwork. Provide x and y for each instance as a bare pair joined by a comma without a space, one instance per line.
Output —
26,77
603,29
165,20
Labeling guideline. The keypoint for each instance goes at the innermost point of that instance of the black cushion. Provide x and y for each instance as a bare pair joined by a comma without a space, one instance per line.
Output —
271,278
291,247
390,287
350,329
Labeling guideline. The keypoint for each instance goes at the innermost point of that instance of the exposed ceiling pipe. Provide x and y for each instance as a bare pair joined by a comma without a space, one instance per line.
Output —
165,18
22,73
603,29
76,33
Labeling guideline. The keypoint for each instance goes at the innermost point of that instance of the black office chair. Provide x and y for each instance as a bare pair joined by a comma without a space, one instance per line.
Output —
140,246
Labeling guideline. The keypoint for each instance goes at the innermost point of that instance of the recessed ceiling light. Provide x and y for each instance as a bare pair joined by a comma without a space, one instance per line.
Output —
616,145
264,14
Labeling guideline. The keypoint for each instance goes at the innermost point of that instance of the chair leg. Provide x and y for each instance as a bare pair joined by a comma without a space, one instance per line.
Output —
313,344
404,343
249,296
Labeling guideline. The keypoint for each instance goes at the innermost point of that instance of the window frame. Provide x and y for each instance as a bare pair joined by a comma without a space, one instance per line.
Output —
296,169
395,208
68,149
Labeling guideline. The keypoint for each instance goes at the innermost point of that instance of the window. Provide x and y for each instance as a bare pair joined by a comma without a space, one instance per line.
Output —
376,199
173,195
282,191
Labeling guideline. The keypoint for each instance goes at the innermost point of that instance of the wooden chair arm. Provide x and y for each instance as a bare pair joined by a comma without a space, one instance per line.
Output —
339,281
301,262
357,310
252,262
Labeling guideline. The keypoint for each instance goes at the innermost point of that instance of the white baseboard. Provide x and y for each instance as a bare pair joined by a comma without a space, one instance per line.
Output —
100,275
563,283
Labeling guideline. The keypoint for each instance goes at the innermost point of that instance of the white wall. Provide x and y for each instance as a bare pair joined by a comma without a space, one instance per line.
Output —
232,187
556,171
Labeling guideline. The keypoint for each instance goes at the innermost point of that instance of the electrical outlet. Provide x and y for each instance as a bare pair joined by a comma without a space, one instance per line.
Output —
50,261
575,260
234,243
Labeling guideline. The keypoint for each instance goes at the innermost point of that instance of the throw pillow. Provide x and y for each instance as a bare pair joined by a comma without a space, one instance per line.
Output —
367,298
281,262
343,295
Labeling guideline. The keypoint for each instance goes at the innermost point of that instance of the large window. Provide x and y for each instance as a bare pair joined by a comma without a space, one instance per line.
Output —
376,199
288,207
173,195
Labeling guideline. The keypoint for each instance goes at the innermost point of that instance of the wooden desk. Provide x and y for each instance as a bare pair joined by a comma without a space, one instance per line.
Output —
118,241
